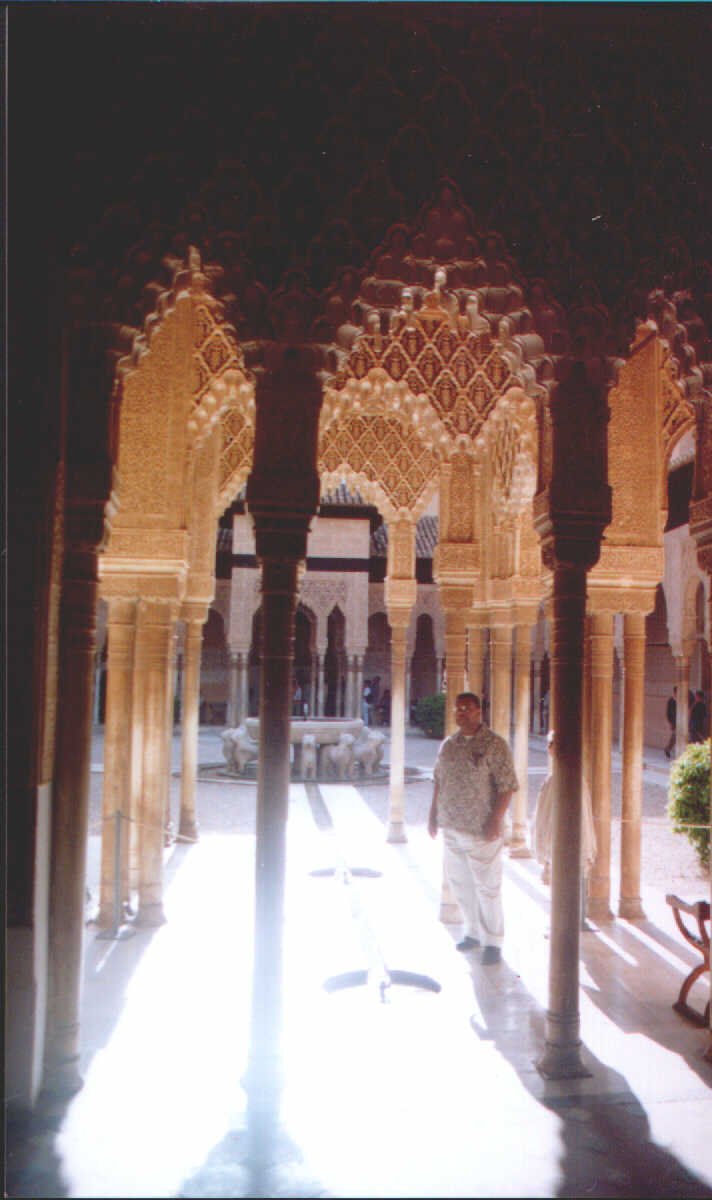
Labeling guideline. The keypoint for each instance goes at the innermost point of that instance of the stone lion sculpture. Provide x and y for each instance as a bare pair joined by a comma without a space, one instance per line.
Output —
238,748
337,759
368,750
309,756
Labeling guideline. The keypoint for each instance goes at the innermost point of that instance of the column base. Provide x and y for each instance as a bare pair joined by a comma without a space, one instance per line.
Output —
598,910
151,915
519,849
631,908
450,913
396,832
188,831
562,1062
62,1081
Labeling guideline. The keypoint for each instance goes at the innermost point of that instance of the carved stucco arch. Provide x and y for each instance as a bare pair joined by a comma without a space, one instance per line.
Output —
222,389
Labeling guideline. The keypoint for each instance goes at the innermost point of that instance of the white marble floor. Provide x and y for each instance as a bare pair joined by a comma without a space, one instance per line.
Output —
426,1094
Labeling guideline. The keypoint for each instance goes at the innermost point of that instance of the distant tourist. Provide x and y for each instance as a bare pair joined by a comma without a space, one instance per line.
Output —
698,718
671,718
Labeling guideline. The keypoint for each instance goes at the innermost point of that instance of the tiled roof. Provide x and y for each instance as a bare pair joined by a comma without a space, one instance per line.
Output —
426,539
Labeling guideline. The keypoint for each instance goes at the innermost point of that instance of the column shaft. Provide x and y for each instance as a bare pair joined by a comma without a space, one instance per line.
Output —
501,643
632,794
599,887
519,845
562,1052
121,636
70,819
682,681
475,674
396,821
188,824
153,644
279,588
234,713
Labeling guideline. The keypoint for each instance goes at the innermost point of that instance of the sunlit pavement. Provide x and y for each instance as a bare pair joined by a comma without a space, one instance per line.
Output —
405,1092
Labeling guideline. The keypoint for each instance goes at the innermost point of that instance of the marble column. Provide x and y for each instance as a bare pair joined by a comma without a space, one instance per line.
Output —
399,636
358,688
193,644
561,1058
501,704
121,635
153,647
70,818
630,905
475,673
234,705
534,722
450,913
599,886
323,685
314,698
456,655
519,844
244,685
169,835
682,681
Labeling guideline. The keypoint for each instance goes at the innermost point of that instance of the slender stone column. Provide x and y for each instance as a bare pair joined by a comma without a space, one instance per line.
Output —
121,634
314,698
167,771
475,673
70,818
358,685
562,1052
601,727
279,580
630,905
456,652
153,647
282,496
244,685
188,823
501,643
234,713
534,724
682,681
519,845
399,635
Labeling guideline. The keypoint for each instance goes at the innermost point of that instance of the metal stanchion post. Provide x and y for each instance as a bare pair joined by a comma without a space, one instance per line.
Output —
119,932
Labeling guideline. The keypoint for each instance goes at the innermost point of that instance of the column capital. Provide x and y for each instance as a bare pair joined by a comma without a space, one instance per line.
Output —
572,506
283,487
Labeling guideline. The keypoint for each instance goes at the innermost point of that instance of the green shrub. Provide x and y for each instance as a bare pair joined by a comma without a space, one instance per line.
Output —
430,715
689,797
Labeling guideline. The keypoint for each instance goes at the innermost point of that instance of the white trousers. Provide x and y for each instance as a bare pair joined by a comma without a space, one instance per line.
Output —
474,872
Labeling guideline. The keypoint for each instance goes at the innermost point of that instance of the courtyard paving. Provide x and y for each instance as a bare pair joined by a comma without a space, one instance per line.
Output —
407,1092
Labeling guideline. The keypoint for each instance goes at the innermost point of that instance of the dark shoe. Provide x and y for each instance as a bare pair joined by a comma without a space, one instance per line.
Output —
490,955
467,943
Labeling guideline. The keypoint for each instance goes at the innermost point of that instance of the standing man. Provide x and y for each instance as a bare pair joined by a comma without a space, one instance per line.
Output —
671,718
473,783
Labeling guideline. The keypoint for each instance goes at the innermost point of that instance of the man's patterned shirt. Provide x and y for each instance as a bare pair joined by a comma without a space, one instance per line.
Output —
470,774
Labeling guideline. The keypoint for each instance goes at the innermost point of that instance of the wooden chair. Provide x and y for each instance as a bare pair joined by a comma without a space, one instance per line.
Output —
700,910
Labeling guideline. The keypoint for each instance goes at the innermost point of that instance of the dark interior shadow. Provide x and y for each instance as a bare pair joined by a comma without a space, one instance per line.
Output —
606,1145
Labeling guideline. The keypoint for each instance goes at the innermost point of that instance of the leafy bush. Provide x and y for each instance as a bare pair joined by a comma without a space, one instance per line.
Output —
430,715
689,797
